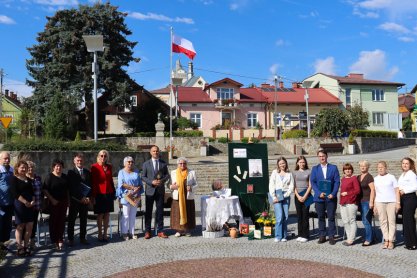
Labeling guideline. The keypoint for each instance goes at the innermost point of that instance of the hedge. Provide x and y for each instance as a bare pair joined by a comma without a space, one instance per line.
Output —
223,140
185,133
373,133
55,145
295,133
246,140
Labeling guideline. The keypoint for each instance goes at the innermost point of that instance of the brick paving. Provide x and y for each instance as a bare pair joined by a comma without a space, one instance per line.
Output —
174,255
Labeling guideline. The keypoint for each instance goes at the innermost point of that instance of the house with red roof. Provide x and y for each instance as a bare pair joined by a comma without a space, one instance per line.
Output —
379,98
224,103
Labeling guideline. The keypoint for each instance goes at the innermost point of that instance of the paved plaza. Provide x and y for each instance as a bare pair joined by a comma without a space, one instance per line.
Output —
168,257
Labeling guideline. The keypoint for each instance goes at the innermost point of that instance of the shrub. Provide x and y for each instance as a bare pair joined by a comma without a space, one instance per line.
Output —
246,140
185,133
374,133
211,139
295,133
146,134
56,145
223,140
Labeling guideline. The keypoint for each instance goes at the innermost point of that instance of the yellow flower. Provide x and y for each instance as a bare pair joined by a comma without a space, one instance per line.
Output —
259,220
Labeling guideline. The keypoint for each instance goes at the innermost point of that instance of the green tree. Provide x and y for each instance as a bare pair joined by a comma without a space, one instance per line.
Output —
55,118
60,62
184,123
407,124
331,122
358,118
145,116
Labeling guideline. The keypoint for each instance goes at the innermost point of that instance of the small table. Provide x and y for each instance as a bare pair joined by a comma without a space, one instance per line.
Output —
220,208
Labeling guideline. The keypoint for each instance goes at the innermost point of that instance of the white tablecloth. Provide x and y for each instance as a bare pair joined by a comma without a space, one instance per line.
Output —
219,210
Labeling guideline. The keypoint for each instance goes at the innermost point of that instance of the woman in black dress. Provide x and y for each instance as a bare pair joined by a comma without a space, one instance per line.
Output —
56,189
22,192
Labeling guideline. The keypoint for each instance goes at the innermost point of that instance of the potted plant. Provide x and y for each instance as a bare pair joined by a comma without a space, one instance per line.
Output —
214,229
351,143
266,220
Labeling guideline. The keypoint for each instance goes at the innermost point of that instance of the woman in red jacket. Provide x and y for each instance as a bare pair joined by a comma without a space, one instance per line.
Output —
103,193
349,194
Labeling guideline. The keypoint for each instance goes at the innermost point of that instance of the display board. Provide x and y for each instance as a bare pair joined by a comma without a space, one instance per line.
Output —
249,176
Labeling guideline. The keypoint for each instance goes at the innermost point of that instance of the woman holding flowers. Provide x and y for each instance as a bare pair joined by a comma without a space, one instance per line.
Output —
281,184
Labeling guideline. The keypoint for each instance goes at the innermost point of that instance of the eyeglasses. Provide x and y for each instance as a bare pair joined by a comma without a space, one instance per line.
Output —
130,161
182,163
103,155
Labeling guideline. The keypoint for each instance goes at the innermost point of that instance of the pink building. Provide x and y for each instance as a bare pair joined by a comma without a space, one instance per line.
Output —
225,104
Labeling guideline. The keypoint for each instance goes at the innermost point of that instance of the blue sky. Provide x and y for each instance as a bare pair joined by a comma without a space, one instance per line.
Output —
246,40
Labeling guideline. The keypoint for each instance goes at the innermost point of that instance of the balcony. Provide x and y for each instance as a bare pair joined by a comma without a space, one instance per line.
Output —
227,104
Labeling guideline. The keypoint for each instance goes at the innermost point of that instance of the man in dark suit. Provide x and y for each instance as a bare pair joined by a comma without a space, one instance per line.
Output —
78,177
154,174
323,173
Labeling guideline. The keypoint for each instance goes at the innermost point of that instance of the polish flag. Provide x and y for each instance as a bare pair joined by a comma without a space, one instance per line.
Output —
181,45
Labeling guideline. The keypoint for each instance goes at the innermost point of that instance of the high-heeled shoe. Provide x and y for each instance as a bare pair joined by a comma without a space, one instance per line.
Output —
390,245
385,245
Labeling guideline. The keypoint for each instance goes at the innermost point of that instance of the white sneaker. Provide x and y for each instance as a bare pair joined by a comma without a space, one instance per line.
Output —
135,237
303,240
298,238
276,240
283,240
187,234
177,234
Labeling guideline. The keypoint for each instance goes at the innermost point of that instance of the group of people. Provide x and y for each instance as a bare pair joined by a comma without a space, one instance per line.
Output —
382,195
25,194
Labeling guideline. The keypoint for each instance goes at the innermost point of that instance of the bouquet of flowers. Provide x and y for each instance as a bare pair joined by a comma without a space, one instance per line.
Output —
266,218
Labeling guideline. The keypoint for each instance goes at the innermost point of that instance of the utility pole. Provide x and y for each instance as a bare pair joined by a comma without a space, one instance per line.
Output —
1,90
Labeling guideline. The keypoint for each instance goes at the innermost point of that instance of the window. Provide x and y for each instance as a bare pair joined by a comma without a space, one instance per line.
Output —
377,118
378,95
277,118
196,118
348,99
252,119
287,120
134,100
225,93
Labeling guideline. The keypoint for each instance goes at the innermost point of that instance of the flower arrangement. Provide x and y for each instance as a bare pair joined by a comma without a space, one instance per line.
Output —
266,218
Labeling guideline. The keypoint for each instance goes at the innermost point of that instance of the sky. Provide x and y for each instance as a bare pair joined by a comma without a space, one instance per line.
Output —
249,41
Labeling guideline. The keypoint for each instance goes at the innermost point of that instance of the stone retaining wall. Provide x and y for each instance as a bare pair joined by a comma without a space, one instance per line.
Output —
367,145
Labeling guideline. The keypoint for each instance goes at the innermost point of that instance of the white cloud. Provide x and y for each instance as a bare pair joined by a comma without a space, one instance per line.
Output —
57,2
373,65
18,87
394,27
6,20
238,4
394,8
274,68
282,42
356,11
326,65
160,17
406,39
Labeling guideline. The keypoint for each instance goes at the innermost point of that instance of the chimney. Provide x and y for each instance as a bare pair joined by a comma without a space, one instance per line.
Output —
190,71
6,92
267,86
295,85
281,85
355,75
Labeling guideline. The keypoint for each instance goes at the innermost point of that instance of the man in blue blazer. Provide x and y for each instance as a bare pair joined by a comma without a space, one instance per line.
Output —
325,171
154,174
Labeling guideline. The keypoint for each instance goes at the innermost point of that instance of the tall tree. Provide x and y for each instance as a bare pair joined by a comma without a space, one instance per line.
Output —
60,62
331,122
358,117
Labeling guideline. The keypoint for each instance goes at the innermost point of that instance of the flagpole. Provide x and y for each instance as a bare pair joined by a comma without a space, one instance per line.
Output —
170,96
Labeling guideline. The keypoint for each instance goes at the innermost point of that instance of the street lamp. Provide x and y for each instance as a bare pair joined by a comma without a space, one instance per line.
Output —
306,97
275,121
94,44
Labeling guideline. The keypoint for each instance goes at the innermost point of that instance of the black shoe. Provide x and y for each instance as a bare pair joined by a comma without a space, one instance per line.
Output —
84,242
322,239
332,241
410,247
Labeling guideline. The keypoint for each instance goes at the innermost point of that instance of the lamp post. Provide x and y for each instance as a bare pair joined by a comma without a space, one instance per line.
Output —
94,44
306,97
275,108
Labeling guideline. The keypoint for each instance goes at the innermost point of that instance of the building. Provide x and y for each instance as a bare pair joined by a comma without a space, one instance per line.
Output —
406,104
11,107
224,104
379,98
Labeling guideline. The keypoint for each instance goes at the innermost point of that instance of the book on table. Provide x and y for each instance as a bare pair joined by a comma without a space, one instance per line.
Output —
325,186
